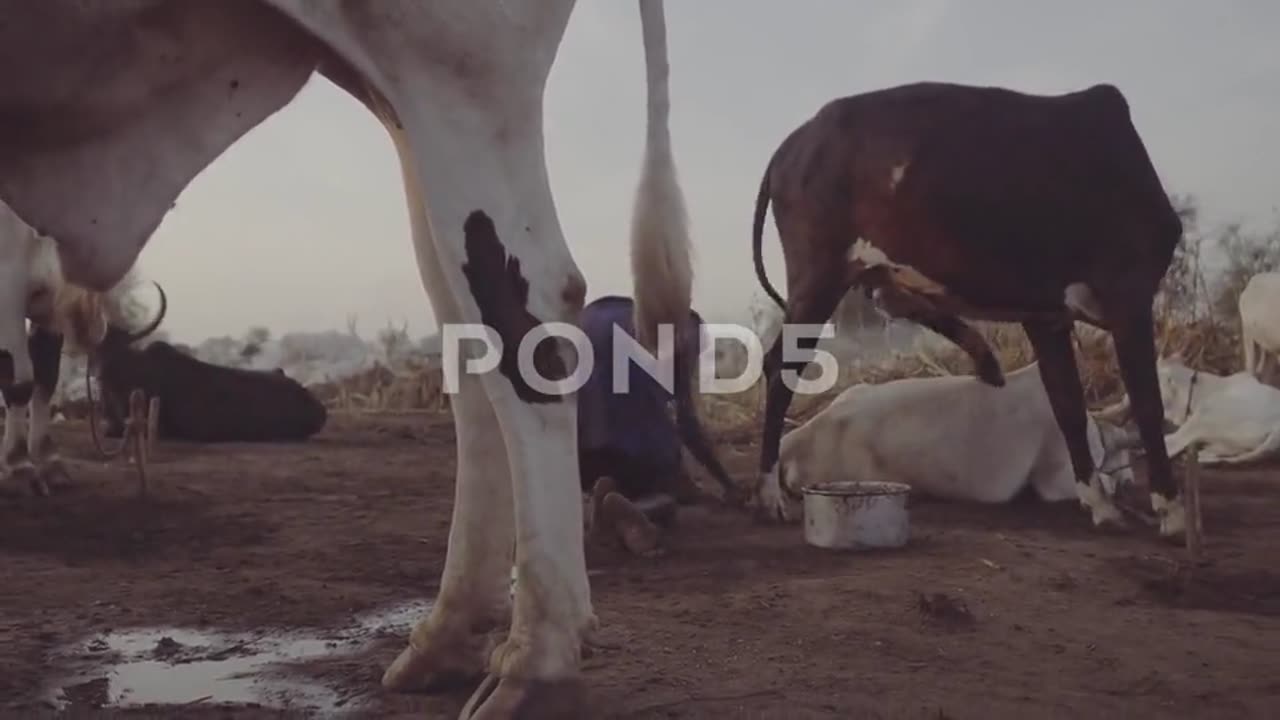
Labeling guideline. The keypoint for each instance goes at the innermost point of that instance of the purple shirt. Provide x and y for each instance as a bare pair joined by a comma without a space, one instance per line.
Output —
637,422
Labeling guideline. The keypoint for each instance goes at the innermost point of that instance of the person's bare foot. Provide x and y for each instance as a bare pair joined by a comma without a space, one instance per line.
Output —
638,534
596,520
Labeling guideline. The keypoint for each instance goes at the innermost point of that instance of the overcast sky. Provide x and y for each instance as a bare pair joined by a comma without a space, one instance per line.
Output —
302,223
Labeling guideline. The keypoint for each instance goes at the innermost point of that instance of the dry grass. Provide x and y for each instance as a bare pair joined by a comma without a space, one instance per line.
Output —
382,390
1203,343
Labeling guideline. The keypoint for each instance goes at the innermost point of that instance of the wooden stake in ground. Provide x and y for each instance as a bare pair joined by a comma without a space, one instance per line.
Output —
153,421
136,427
1191,503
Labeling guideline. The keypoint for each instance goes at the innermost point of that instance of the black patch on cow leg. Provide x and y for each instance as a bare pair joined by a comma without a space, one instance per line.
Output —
1135,345
502,294
7,369
18,395
1051,342
46,358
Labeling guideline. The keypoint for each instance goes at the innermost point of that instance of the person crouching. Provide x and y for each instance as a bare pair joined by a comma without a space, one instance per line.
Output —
629,449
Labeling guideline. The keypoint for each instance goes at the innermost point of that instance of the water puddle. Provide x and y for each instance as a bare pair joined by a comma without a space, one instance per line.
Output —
177,666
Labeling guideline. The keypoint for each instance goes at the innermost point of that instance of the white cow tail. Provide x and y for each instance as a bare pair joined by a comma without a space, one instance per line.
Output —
661,264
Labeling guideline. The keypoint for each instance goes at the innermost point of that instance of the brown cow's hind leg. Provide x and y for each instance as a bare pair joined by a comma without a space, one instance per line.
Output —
968,339
904,305
1136,354
1061,377
808,306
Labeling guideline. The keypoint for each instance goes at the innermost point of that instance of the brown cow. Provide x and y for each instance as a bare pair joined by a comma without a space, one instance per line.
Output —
946,200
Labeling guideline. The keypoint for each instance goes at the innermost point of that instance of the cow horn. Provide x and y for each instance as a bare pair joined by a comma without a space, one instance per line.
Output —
164,306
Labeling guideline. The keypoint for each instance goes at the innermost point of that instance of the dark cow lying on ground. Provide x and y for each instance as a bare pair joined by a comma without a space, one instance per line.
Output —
945,201
202,402
629,450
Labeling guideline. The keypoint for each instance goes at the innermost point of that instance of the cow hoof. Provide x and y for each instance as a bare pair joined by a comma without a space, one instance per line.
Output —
772,511
39,487
429,665
773,514
771,504
511,698
1172,515
55,474
1108,516
1103,510
26,474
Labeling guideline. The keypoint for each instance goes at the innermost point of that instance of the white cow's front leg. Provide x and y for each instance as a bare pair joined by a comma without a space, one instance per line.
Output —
501,254
17,463
539,661
41,449
451,644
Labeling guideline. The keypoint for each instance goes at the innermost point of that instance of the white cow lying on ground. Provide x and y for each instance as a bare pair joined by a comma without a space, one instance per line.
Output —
1260,324
952,438
1236,417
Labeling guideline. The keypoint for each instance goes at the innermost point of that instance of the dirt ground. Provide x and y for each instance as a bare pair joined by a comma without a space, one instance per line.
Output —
1017,611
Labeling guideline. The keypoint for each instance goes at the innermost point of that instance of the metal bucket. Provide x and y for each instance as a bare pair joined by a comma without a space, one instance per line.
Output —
856,515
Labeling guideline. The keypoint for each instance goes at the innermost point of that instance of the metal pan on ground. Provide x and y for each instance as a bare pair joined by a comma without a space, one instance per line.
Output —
856,515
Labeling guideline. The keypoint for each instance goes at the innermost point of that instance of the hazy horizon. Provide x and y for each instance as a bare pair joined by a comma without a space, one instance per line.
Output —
302,223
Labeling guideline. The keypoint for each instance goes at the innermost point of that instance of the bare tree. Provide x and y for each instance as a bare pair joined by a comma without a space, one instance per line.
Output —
254,339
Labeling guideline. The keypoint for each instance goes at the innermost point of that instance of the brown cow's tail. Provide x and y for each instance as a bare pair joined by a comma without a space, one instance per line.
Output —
688,422
757,236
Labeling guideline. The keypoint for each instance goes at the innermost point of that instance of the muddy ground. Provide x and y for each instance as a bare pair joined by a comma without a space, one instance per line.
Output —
1019,611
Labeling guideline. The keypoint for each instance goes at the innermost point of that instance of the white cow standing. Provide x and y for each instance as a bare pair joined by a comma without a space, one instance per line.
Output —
1236,417
951,438
109,108
1259,307
64,317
